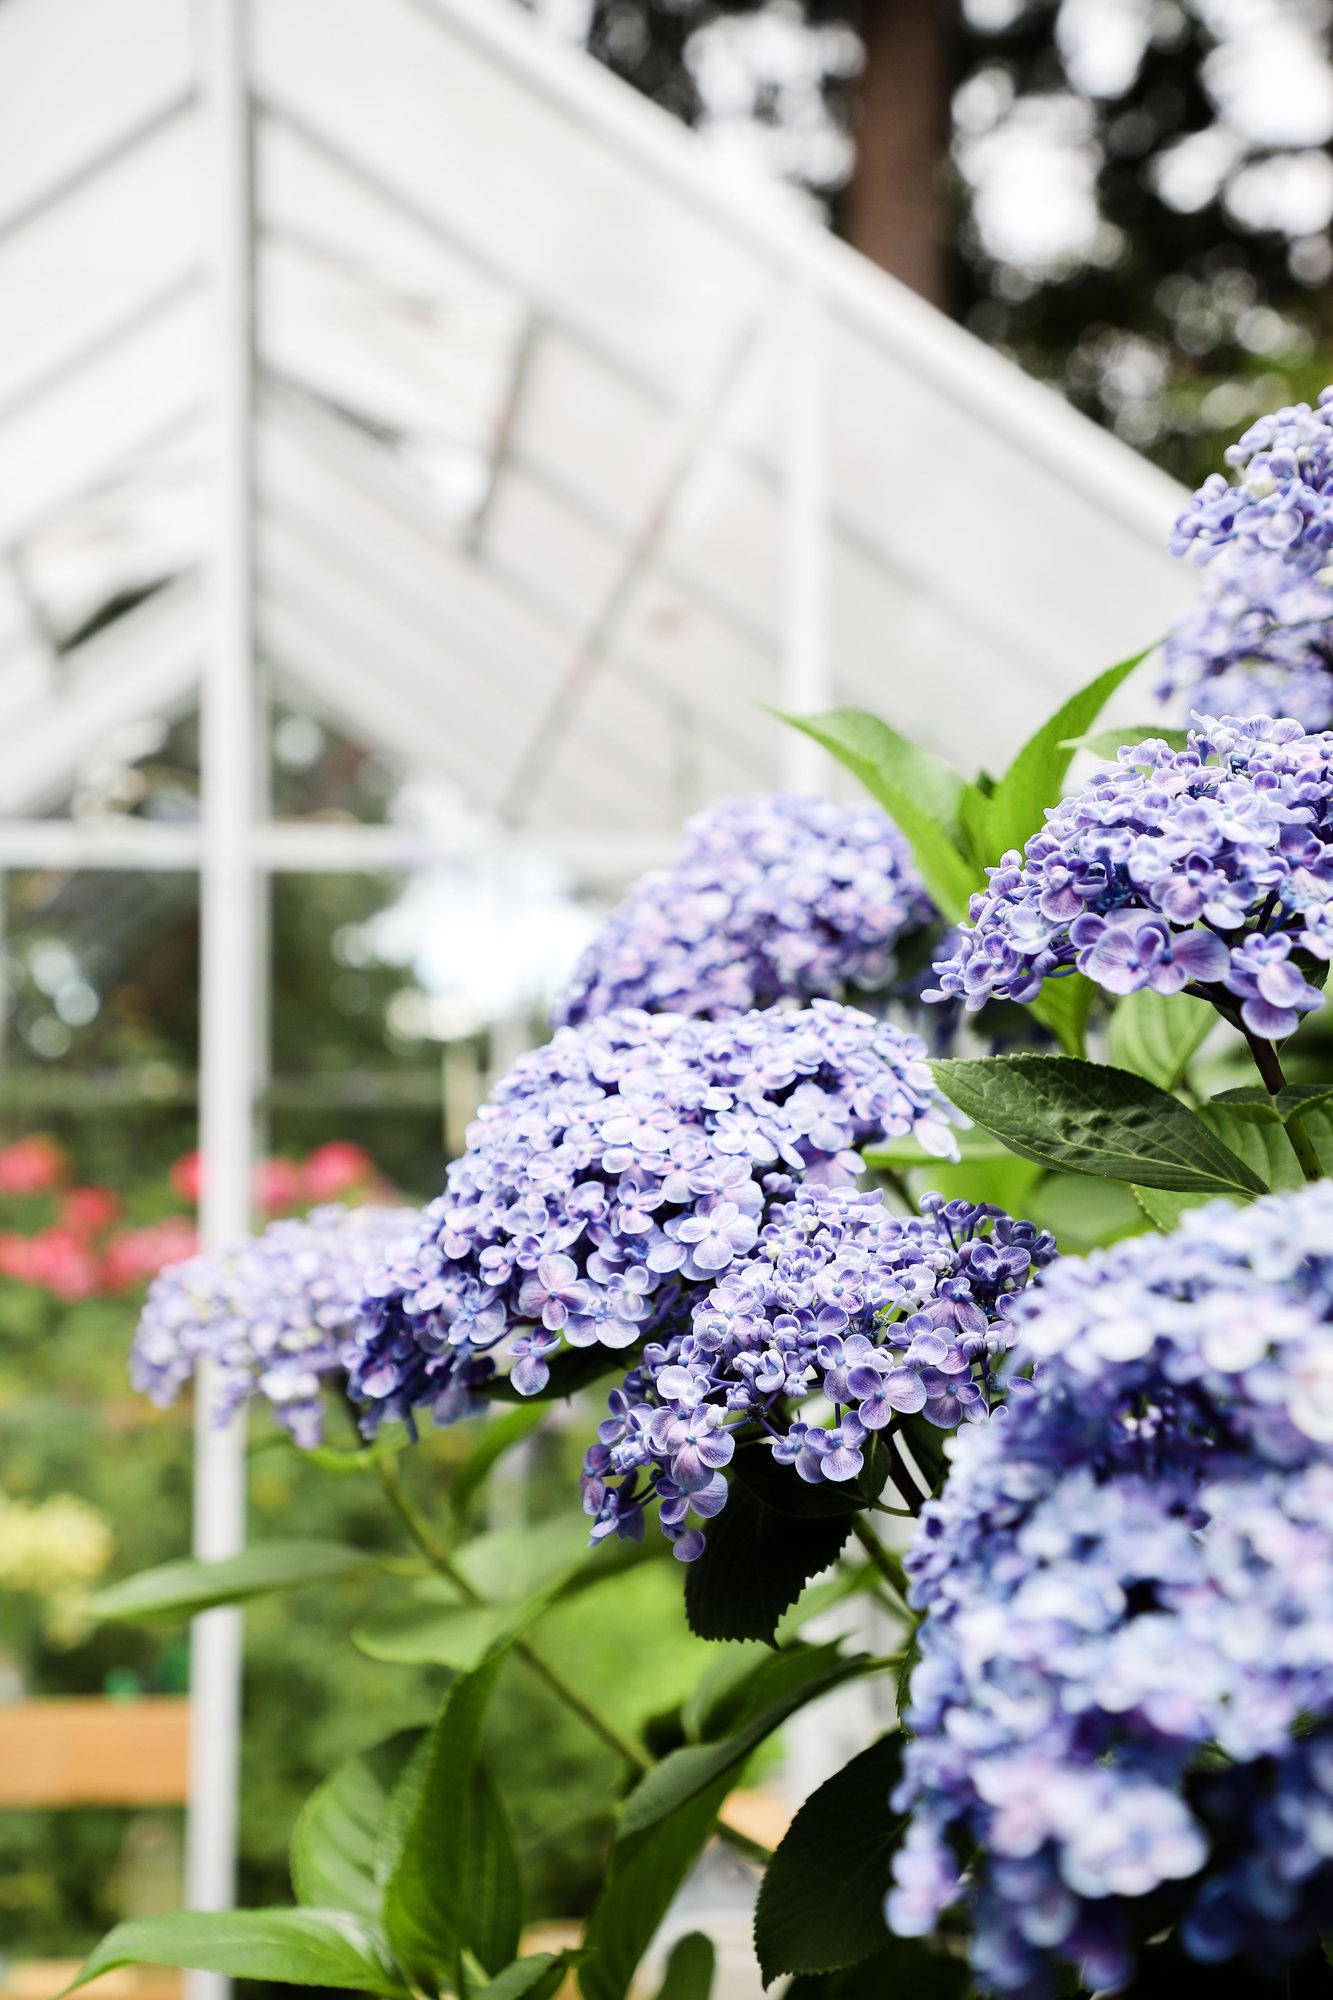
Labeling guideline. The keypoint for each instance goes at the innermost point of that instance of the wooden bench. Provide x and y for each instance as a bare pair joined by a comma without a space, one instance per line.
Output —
90,1751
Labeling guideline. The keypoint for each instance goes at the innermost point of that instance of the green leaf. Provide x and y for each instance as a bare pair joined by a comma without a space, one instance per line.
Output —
180,1589
292,1947
343,1460
500,1435
334,1839
537,1978
572,1369
1260,1140
902,1969
1089,1118
899,1155
821,1904
1164,1208
922,794
644,1872
689,1972
787,1682
755,1565
431,1629
1036,777
1107,743
454,1885
1155,1034
1063,1005
1083,1214
755,1467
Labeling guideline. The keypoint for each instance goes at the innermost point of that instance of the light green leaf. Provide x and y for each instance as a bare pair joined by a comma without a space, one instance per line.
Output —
499,1436
1107,743
1035,779
1082,1213
334,1839
689,1972
900,1155
291,1947
921,794
821,1903
790,1681
345,1460
1261,1142
1156,1034
1089,1118
537,1978
180,1589
1063,1006
1164,1208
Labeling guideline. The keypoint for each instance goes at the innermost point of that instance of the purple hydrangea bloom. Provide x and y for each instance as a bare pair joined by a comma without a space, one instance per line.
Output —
1259,641
1203,867
1282,501
882,1316
774,896
618,1173
1124,1701
275,1313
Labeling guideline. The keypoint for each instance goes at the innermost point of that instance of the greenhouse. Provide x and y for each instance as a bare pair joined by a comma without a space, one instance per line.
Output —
430,479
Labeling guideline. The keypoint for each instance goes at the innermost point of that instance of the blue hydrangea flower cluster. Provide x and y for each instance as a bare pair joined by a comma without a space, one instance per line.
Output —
880,1315
1125,1695
620,1170
1204,867
1261,638
773,896
275,1313
1259,641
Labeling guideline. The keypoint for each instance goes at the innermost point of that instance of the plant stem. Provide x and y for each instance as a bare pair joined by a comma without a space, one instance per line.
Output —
1270,1071
887,1564
440,1560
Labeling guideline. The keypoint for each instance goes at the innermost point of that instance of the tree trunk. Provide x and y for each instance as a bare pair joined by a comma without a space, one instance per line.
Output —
895,206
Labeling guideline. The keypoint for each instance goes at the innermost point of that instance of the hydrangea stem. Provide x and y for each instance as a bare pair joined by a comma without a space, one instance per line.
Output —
440,1560
887,1564
1270,1070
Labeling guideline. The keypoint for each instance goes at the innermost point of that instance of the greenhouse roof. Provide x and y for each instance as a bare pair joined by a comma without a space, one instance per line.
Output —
568,455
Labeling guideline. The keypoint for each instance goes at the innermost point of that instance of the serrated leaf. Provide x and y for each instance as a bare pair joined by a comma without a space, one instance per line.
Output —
754,1566
821,1903
902,1969
180,1589
291,1947
1090,1118
689,1971
334,1839
1035,779
788,1682
921,794
781,1488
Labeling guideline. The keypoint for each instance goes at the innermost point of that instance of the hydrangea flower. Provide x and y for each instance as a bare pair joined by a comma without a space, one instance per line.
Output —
1124,1700
1259,641
773,896
619,1171
881,1315
1282,501
274,1312
1204,867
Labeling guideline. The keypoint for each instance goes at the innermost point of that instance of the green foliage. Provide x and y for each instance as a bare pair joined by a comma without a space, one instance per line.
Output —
821,1905
645,1869
293,1947
1157,1034
334,1841
906,1967
181,1589
1090,1118
689,1972
754,1566
537,1978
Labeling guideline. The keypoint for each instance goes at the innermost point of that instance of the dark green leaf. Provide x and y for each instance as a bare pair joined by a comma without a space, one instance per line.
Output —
1089,1118
902,1969
644,1873
789,1681
180,1589
454,1885
1036,777
785,1492
334,1839
291,1947
574,1368
1155,1034
755,1565
821,1904
689,1972
920,793
500,1435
